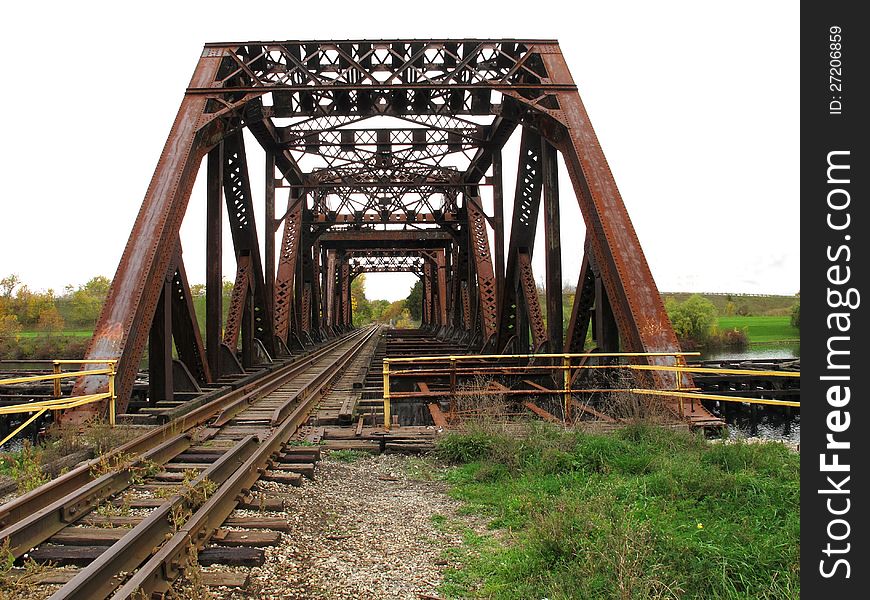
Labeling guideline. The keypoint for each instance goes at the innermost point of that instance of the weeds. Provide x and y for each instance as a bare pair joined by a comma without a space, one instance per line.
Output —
346,456
138,468
646,512
25,467
190,585
28,466
19,583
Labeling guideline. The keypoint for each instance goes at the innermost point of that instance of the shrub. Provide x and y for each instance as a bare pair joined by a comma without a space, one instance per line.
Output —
693,319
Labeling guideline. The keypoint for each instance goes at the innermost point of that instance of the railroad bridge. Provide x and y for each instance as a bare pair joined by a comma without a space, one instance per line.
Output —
381,155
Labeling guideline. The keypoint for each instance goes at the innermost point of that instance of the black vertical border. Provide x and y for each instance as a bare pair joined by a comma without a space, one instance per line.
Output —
821,133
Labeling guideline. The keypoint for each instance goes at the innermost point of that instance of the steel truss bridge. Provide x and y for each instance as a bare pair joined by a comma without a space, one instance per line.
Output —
382,148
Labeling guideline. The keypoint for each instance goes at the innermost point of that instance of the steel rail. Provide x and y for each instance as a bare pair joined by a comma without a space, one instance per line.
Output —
101,577
104,575
26,519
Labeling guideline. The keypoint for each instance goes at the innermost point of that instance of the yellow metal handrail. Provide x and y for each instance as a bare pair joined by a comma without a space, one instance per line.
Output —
58,403
566,366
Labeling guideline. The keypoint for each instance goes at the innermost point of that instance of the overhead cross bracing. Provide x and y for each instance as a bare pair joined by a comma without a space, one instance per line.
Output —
381,145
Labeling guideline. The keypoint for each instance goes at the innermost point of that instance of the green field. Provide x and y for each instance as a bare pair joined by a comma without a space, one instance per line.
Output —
760,305
762,329
77,334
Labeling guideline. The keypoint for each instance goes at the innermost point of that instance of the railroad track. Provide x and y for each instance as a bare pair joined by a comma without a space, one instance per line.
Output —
184,479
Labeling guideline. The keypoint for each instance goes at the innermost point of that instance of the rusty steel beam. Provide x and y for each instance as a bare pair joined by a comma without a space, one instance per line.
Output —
527,200
531,304
240,210
489,153
441,282
331,293
125,321
238,302
552,247
285,279
363,239
185,327
271,227
160,348
629,285
479,243
346,306
581,313
213,260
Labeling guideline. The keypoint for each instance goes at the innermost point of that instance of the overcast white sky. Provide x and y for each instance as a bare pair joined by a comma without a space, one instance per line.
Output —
695,104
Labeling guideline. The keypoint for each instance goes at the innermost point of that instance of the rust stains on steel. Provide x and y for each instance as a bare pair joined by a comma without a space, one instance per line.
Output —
357,180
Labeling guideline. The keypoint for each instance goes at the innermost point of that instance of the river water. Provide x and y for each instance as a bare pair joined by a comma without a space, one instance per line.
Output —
771,425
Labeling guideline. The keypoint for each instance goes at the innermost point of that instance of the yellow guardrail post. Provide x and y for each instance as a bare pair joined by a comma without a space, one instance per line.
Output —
566,365
387,394
56,370
112,394
58,402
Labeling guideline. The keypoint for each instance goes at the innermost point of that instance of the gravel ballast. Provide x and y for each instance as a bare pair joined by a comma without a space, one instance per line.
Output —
362,529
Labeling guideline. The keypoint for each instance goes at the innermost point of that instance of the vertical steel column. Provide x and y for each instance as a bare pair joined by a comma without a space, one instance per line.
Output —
606,329
527,200
441,262
248,331
346,301
160,348
331,319
584,298
552,246
498,225
427,293
270,227
185,327
213,260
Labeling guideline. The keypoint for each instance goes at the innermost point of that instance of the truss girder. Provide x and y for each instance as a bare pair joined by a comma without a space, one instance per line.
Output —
388,177
240,211
527,201
286,272
479,244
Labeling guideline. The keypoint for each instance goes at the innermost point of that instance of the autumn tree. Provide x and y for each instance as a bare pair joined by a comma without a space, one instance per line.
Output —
86,302
414,303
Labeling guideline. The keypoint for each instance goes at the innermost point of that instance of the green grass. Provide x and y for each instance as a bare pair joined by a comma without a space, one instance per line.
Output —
644,513
78,334
347,456
762,329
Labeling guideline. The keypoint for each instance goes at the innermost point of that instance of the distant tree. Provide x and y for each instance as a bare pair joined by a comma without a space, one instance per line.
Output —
360,306
50,321
9,334
393,312
8,285
414,303
86,302
796,314
377,309
405,321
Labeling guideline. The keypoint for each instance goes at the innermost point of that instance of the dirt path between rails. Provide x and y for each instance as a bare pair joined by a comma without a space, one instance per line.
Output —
361,530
